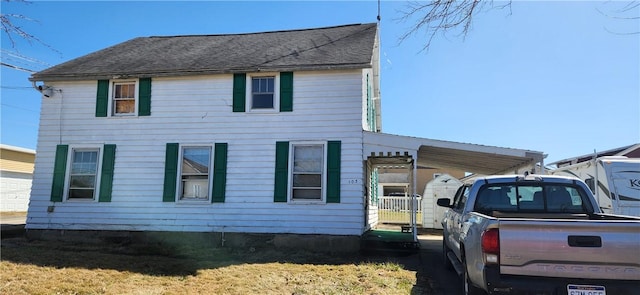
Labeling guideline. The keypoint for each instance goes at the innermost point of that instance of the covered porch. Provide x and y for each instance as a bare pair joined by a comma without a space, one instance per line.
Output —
382,150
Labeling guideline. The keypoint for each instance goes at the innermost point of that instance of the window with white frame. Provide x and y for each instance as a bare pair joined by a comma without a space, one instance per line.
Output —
307,172
83,174
263,93
194,173
123,98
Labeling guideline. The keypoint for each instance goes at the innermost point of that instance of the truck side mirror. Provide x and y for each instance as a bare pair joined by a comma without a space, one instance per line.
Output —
444,202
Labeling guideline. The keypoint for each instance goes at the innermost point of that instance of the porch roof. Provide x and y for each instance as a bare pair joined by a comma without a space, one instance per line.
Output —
474,158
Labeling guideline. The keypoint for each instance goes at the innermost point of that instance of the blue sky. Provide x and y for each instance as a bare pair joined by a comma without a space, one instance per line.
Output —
558,77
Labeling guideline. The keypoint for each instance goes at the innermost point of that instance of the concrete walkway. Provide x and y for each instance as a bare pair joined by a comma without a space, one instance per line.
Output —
13,218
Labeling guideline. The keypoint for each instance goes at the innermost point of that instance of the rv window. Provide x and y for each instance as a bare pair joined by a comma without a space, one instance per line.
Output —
591,184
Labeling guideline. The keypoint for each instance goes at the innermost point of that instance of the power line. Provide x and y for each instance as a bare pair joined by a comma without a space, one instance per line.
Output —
24,58
17,87
17,107
18,68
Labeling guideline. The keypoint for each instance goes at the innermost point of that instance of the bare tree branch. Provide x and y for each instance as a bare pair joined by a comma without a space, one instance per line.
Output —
12,29
444,16
632,8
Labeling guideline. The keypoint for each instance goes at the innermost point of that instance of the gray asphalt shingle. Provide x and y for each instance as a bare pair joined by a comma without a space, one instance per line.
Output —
340,47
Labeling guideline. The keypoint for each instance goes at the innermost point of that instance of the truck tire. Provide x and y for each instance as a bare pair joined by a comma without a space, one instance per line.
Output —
467,287
445,257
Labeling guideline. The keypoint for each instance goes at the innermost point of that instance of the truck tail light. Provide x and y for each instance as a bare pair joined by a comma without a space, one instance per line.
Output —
491,245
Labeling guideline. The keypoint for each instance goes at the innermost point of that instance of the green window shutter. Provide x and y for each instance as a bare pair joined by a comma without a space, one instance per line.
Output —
333,171
282,172
170,173
59,173
286,91
144,97
239,92
219,173
106,177
102,98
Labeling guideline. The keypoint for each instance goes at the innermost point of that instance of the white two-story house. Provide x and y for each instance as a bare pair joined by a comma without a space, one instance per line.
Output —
262,133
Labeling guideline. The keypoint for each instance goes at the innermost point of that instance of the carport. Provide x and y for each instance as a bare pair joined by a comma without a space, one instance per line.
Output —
387,150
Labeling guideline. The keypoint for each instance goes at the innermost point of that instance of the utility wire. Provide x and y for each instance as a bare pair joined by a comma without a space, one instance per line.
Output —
18,68
20,108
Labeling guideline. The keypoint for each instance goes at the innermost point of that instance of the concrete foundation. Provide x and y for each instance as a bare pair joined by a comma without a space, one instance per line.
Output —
171,242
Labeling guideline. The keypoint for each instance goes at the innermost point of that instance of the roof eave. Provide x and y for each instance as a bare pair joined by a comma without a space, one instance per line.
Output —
190,72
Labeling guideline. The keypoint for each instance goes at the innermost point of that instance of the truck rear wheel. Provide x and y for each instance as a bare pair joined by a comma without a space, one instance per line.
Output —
467,287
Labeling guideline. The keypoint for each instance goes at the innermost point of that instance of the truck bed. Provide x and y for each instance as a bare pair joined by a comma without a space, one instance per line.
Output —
596,249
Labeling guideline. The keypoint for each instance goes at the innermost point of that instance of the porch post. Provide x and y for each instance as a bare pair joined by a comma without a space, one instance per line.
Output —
414,203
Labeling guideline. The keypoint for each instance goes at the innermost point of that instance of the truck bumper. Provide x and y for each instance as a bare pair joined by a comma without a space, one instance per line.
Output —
509,284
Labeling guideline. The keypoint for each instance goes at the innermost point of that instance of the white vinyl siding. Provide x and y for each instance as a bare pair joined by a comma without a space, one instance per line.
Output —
328,106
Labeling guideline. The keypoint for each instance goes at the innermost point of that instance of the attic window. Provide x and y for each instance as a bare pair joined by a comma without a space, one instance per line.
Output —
124,98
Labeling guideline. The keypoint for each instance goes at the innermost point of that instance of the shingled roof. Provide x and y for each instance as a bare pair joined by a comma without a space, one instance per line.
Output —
340,47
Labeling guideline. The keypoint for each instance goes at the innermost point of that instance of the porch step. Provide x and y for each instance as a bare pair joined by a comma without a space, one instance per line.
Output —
385,242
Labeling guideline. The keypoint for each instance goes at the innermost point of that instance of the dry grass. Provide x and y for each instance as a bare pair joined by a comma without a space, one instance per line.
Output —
39,267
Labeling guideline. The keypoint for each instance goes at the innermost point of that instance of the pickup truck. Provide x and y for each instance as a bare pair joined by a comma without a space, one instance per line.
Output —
538,234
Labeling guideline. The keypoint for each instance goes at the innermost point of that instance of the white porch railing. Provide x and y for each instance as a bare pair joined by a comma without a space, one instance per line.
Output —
398,209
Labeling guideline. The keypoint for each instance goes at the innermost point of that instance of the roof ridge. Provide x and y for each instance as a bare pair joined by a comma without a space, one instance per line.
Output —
264,32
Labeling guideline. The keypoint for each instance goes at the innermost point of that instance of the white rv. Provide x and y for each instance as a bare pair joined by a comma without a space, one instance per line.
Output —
614,180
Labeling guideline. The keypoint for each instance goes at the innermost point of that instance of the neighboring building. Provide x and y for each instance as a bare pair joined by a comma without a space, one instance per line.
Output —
16,173
396,180
264,133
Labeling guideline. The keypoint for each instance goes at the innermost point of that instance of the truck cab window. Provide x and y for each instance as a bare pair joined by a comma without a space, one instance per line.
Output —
461,198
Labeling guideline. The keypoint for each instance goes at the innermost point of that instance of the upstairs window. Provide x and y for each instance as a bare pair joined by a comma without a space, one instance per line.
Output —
262,92
124,98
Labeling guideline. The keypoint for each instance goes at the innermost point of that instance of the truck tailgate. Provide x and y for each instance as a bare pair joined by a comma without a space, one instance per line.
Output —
590,249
